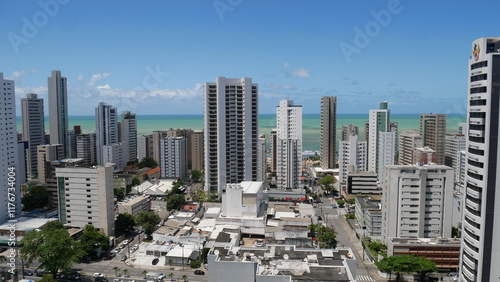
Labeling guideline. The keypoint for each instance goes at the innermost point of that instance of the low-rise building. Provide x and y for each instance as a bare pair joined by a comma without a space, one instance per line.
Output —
374,223
445,252
135,205
15,230
362,183
363,204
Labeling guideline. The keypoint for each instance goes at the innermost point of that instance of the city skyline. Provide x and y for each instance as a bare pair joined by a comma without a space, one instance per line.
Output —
295,51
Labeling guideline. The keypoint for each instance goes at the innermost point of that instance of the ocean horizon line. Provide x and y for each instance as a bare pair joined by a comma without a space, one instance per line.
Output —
193,115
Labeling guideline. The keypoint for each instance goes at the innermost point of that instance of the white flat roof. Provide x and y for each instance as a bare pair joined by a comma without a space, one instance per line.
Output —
251,187
27,223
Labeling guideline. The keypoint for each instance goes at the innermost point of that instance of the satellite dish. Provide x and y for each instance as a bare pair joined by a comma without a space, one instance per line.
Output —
216,252
285,256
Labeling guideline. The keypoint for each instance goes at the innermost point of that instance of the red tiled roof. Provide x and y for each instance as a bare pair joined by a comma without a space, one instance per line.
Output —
152,171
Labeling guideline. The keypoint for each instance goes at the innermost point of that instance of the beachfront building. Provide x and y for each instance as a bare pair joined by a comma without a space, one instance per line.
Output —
433,132
379,121
480,251
58,110
231,124
86,197
33,129
289,145
328,132
348,130
417,202
353,157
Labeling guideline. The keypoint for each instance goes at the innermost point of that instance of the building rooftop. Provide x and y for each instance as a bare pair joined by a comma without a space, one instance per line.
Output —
27,223
426,241
251,187
134,200
367,202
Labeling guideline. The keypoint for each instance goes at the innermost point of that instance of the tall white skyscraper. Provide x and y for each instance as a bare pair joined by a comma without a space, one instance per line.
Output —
106,128
58,110
328,132
230,128
379,121
289,144
128,132
417,201
386,153
480,253
33,129
8,152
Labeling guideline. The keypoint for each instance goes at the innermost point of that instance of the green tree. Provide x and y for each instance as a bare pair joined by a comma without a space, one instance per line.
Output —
120,193
170,261
185,278
341,203
325,236
352,201
125,272
196,175
54,225
171,275
199,196
92,242
35,197
54,248
377,247
135,181
406,264
124,223
195,264
327,183
147,162
47,278
148,221
175,202
143,273
116,269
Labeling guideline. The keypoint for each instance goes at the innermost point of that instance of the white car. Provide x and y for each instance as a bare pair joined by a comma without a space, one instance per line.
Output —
98,275
162,276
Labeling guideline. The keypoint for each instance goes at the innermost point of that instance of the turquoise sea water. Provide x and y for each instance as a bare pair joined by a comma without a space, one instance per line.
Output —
310,124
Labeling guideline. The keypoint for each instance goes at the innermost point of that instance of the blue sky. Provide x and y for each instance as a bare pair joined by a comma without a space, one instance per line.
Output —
152,57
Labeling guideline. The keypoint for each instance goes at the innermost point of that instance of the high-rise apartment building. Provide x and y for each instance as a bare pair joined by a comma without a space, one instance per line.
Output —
86,197
348,130
197,155
417,201
230,127
128,136
145,146
173,159
8,152
112,155
274,149
46,154
433,131
379,121
408,141
454,145
480,251
289,145
33,129
58,110
386,153
106,128
353,157
328,132
261,158
86,148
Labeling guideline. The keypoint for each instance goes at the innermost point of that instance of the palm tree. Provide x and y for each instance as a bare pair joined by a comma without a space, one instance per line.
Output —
116,269
170,261
144,272
185,278
125,272
171,276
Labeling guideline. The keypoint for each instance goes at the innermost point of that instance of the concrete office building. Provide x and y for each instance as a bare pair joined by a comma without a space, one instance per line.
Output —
173,159
86,148
230,128
433,131
58,110
417,202
113,155
128,136
408,142
348,130
328,132
33,129
480,251
106,129
9,152
289,145
353,157
86,197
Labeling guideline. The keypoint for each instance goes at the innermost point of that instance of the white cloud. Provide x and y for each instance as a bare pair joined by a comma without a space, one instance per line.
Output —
40,90
98,76
15,75
299,73
279,86
286,65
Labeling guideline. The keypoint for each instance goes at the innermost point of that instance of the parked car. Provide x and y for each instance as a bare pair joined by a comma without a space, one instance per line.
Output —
155,261
199,272
124,258
162,276
39,273
98,275
29,273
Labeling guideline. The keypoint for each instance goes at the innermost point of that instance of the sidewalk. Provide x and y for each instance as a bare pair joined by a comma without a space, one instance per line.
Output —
358,248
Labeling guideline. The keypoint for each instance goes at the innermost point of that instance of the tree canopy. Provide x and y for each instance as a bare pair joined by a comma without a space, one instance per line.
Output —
52,247
147,162
120,193
175,202
196,175
406,264
325,236
35,197
124,223
92,242
148,221
327,183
